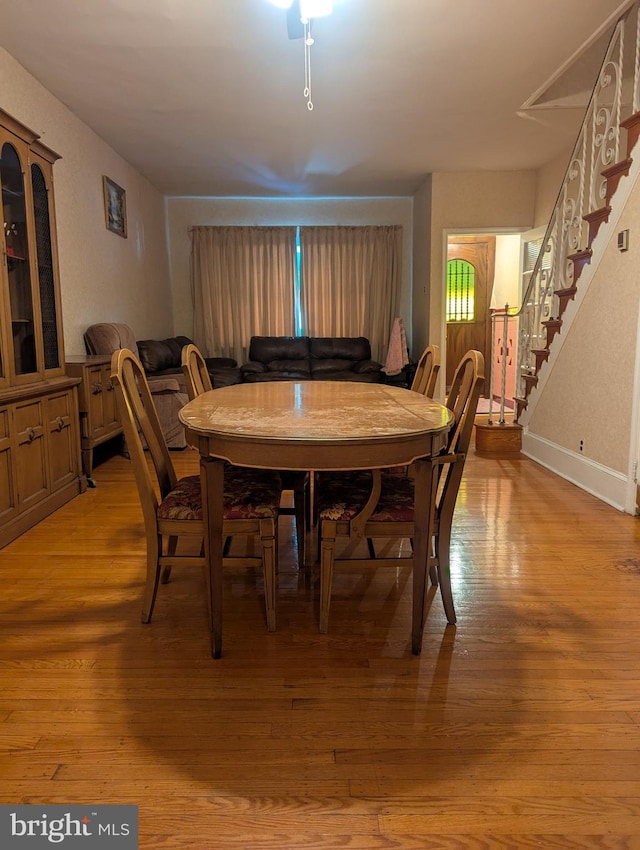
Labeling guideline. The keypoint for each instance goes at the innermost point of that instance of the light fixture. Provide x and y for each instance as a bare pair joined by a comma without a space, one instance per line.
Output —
315,8
303,11
308,8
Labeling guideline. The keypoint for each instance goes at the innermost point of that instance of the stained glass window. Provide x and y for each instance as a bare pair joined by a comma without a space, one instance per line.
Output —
460,291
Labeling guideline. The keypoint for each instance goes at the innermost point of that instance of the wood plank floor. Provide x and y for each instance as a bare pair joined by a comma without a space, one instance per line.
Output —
519,728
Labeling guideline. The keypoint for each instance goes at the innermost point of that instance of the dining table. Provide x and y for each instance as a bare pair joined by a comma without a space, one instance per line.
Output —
314,426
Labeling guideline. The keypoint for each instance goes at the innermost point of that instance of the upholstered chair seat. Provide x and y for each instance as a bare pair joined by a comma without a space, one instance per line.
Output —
341,496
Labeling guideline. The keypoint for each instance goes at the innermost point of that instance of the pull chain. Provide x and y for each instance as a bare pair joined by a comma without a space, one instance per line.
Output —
308,41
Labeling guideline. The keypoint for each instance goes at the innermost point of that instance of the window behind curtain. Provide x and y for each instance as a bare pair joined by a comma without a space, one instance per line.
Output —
351,282
242,281
283,281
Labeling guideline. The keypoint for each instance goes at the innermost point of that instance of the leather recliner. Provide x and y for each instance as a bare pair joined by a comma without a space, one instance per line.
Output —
168,391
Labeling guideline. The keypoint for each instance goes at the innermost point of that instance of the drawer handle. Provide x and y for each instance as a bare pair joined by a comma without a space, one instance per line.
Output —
96,389
110,387
31,435
60,423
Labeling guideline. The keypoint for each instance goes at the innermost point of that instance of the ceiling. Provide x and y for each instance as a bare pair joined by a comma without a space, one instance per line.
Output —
205,97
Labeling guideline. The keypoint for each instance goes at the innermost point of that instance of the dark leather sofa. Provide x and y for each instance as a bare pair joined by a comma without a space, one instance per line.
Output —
303,358
164,358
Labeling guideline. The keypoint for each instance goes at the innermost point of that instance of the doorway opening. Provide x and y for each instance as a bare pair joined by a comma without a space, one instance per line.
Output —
483,275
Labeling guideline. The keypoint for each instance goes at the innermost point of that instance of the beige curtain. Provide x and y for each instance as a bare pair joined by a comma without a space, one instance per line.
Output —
242,283
351,282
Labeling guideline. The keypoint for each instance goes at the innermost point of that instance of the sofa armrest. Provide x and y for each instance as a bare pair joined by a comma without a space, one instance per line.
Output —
220,362
163,385
253,367
364,367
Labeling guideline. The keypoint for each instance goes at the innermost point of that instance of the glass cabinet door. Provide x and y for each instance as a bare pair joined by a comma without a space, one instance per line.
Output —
46,273
14,209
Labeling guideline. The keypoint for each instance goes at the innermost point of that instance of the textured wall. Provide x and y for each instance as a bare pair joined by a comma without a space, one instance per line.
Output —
588,395
549,181
421,267
103,276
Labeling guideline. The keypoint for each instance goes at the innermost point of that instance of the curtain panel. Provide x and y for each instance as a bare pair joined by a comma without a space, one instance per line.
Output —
351,282
242,286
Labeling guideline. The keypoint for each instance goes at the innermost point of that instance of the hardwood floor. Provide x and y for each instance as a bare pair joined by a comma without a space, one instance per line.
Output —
519,728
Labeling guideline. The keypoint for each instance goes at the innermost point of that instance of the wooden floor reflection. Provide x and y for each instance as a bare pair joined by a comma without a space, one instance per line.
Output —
519,728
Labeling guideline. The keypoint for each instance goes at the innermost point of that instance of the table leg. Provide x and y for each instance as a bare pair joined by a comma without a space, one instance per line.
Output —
424,497
212,480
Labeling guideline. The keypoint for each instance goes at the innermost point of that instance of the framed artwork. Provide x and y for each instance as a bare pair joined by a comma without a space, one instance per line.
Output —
115,207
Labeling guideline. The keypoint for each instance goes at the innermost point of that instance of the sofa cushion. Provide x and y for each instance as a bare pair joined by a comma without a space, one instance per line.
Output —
297,367
329,364
220,362
176,351
155,355
349,375
340,347
224,377
182,341
257,377
269,348
363,367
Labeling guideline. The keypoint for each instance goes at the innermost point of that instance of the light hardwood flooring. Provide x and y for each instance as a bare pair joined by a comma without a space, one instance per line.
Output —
520,728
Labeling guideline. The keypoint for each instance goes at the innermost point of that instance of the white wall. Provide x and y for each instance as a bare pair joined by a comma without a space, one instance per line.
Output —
506,278
103,277
481,201
421,267
183,213
548,183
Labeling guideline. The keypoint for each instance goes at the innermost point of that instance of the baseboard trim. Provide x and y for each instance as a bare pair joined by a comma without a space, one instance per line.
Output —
601,481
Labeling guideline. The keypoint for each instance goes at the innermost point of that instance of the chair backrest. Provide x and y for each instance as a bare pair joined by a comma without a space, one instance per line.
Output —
195,371
140,422
462,400
424,380
107,337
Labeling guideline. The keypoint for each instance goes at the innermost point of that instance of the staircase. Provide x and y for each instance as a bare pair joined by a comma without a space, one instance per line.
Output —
600,160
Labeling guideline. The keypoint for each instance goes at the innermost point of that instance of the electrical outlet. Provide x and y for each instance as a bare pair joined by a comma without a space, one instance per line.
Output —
581,445
623,240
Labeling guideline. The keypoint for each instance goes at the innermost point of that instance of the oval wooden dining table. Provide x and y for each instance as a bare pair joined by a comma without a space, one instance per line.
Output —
314,425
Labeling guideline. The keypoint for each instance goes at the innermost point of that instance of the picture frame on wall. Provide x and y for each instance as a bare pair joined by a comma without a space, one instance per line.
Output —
115,207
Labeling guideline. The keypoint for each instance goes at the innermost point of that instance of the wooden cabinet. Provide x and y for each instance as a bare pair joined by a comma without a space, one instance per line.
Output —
39,431
97,401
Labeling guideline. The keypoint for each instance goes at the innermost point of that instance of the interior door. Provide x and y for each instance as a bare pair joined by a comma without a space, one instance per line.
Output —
470,269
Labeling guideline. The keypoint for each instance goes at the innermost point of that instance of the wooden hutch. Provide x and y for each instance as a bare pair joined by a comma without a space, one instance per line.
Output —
40,466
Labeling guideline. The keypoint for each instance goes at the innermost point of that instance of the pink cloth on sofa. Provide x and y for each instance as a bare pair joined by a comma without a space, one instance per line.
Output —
397,357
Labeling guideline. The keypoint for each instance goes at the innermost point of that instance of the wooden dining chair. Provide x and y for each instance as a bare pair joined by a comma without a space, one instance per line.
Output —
378,504
198,381
424,382
172,507
194,369
426,375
